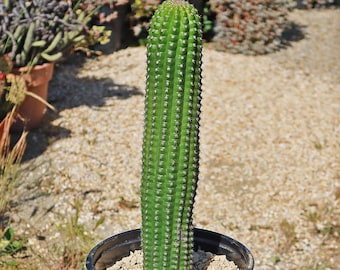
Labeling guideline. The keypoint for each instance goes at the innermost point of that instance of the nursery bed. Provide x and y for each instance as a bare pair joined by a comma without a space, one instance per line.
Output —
270,147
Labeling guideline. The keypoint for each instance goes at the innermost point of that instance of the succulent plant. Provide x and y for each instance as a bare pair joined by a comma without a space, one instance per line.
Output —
142,12
250,27
171,136
308,4
94,8
38,31
145,8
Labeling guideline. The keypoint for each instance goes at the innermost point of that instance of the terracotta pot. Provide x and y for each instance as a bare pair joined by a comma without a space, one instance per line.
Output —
114,248
31,110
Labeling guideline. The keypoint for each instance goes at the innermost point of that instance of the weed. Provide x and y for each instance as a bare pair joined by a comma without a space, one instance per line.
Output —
288,231
337,193
255,227
9,167
317,266
76,240
323,219
127,204
319,145
9,246
9,161
276,259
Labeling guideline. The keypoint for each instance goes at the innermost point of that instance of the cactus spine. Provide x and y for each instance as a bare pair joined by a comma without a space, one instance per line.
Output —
171,136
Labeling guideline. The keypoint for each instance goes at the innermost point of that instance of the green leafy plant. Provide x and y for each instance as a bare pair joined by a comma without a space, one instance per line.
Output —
9,246
171,136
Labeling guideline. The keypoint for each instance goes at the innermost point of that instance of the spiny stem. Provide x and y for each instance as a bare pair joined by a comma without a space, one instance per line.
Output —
171,136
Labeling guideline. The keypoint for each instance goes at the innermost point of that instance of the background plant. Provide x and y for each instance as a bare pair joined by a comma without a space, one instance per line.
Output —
140,17
99,14
9,246
250,27
171,136
308,4
9,168
142,12
9,161
35,32
12,87
77,239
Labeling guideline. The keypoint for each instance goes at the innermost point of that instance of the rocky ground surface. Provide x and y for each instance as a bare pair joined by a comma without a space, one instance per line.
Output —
270,152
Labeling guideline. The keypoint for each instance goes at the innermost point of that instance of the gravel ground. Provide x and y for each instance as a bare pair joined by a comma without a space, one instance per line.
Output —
270,164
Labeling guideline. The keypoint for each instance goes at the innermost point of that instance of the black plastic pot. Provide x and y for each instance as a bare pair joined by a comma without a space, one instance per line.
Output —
114,248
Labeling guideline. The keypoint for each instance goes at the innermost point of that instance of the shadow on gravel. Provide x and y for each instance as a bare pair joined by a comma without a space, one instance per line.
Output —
67,91
39,139
292,33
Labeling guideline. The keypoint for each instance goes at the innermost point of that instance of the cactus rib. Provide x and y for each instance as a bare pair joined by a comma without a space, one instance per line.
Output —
171,136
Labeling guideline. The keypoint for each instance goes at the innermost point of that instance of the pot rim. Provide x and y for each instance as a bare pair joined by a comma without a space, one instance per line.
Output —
206,240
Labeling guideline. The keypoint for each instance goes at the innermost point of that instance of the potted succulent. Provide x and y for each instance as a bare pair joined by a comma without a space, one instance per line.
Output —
170,154
34,35
111,15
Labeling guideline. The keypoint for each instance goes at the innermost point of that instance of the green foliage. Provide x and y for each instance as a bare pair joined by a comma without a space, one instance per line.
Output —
250,27
171,136
9,246
208,24
36,32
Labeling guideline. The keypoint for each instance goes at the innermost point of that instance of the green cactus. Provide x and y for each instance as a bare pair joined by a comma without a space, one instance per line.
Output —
171,136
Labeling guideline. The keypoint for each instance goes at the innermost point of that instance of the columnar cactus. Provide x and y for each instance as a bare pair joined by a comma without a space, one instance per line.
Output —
171,136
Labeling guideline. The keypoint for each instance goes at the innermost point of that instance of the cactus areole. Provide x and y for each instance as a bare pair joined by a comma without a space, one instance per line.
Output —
171,136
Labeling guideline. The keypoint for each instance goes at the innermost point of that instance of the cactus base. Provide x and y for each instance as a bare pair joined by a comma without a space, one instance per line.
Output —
114,248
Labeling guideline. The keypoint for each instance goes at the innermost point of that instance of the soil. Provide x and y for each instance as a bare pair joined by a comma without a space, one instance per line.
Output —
202,261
